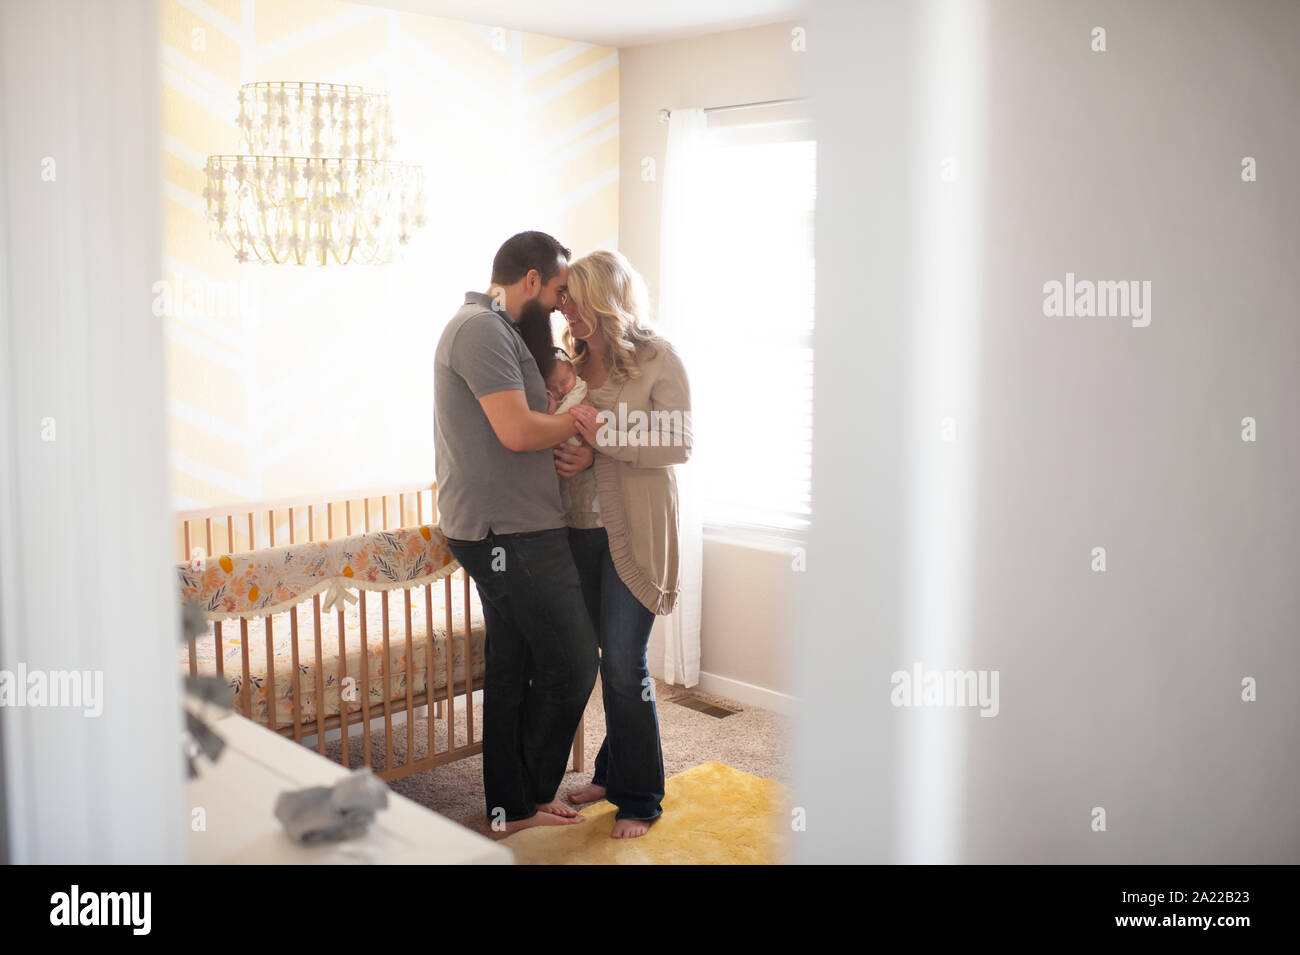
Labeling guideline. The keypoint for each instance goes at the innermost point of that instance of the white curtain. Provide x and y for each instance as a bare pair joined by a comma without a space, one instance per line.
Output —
86,584
682,265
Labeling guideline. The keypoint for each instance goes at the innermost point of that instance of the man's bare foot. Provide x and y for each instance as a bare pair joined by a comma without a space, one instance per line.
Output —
585,794
538,819
556,808
629,828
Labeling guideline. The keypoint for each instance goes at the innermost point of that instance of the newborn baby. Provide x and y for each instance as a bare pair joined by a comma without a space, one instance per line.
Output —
564,387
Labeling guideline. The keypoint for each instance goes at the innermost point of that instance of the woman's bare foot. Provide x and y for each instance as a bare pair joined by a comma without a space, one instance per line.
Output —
538,819
585,794
556,808
629,828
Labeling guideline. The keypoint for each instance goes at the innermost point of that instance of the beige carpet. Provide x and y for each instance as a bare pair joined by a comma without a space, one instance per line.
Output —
752,741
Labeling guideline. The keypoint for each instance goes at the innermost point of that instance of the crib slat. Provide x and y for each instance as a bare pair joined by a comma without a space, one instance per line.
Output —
188,554
419,508
365,683
208,527
384,499
270,523
320,678
230,533
270,676
388,688
428,663
410,682
366,505
451,672
347,511
248,680
469,673
194,655
252,540
297,674
311,523
292,536
329,521
220,651
343,717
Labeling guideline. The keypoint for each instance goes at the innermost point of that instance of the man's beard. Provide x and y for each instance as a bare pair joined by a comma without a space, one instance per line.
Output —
535,326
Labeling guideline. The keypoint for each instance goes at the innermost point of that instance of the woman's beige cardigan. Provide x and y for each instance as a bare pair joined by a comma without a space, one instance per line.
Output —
633,474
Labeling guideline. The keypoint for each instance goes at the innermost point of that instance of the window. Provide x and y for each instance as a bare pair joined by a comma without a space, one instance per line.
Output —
752,388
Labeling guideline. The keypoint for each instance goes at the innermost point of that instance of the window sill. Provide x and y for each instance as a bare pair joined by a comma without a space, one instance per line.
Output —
777,539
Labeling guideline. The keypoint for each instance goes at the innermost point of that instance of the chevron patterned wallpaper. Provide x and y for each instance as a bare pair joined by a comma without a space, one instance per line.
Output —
288,380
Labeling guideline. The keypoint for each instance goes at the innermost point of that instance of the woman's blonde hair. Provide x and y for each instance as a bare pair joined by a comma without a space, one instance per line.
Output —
612,294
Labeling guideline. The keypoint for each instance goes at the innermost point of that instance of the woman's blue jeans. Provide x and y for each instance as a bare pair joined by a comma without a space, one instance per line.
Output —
630,764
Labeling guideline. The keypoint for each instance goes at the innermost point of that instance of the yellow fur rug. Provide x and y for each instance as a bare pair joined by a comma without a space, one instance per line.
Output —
713,815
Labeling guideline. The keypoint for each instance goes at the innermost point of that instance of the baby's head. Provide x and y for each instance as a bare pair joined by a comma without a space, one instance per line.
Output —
562,377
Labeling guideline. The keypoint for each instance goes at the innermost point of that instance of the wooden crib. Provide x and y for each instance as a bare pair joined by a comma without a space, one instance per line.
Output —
249,527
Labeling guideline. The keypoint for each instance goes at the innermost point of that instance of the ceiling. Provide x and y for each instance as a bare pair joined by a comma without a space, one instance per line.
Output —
620,23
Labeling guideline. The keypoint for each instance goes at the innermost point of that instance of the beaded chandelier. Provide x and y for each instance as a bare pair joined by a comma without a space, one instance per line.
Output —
314,180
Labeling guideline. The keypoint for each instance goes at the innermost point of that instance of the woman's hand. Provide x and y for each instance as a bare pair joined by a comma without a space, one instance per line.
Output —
571,459
584,415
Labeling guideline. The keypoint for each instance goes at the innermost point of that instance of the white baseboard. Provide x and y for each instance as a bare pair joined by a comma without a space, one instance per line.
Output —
748,693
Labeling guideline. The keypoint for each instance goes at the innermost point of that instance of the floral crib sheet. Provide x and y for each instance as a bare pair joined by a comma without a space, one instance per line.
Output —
394,674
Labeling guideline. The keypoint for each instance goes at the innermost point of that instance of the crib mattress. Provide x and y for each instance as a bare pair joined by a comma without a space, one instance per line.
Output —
392,674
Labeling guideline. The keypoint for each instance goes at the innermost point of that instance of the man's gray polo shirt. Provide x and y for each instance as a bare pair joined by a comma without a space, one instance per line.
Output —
483,487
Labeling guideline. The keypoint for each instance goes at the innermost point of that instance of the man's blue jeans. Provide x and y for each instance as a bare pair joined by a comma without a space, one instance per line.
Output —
541,662
630,764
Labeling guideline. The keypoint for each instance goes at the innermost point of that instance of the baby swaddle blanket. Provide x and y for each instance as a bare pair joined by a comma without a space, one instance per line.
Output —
574,398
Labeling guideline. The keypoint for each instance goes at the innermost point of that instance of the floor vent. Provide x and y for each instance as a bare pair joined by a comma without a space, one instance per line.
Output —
710,709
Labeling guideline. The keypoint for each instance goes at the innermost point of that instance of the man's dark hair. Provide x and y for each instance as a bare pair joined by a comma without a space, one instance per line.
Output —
522,253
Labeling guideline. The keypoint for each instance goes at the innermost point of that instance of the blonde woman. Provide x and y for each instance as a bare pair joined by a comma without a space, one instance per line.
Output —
622,515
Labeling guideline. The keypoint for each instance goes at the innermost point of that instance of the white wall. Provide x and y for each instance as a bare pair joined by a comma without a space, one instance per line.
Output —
81,437
247,418
1119,690
742,654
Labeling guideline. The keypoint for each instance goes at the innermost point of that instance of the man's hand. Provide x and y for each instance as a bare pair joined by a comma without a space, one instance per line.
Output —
573,459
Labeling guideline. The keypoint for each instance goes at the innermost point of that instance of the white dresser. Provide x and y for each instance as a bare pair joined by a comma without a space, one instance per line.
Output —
237,797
